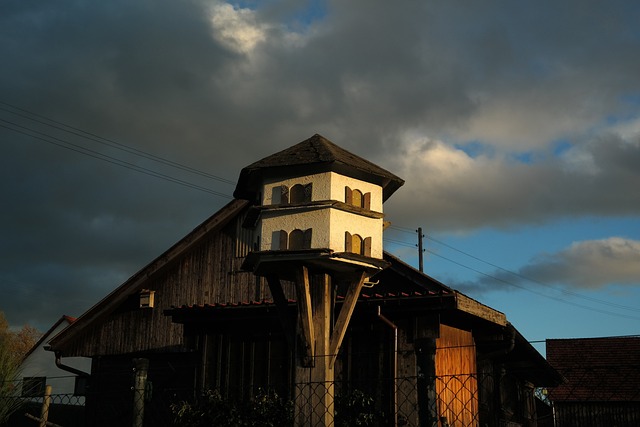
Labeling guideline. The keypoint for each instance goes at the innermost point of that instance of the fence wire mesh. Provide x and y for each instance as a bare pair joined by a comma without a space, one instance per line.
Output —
454,400
64,410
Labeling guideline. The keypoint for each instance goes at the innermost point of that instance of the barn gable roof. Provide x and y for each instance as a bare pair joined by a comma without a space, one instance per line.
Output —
137,282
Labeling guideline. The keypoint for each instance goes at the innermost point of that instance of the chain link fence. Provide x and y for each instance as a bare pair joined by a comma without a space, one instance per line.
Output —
454,400
64,410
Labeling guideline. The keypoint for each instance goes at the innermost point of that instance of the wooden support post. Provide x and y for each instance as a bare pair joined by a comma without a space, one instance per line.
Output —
420,250
319,339
46,403
141,367
344,317
427,396
315,382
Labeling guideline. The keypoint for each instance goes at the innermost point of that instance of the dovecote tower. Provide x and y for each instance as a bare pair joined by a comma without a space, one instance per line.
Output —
318,222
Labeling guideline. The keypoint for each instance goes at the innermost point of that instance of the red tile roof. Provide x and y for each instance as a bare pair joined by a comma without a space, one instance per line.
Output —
596,369
364,296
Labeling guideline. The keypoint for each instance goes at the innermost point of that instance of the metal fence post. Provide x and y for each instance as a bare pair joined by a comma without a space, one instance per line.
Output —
141,366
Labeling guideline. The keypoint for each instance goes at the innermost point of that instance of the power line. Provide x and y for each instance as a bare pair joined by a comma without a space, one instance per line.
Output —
533,291
519,275
113,160
405,244
399,243
100,156
109,142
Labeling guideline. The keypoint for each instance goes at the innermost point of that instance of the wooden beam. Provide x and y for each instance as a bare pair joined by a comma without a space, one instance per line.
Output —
471,306
349,304
305,313
275,287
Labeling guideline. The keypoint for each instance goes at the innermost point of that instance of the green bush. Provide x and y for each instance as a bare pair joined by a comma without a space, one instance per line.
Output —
267,409
355,409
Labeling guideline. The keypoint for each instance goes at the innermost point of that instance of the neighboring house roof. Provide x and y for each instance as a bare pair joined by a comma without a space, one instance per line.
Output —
314,155
137,282
43,339
596,369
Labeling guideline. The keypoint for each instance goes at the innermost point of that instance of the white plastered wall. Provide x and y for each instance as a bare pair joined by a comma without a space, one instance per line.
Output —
328,224
318,220
342,221
326,186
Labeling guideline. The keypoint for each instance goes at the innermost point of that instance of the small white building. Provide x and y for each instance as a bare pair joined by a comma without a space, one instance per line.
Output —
39,369
317,203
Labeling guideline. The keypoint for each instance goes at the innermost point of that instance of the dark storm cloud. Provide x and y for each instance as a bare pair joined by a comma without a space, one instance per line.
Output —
217,87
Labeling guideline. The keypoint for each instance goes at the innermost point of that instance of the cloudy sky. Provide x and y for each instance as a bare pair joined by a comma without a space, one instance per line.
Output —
516,125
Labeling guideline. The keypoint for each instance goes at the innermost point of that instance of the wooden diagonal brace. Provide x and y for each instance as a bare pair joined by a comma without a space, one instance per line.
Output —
349,304
305,313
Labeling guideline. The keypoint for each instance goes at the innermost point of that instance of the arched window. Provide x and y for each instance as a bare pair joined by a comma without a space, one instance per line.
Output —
299,239
357,198
300,193
283,240
354,243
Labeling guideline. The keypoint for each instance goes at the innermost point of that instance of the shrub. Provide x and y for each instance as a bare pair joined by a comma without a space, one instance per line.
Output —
267,409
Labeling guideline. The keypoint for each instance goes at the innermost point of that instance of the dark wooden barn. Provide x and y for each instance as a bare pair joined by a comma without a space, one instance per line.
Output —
422,353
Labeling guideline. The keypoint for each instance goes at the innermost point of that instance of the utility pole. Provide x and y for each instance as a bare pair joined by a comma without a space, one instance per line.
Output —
420,250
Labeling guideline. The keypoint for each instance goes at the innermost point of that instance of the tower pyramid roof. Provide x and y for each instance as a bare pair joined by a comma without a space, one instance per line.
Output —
314,155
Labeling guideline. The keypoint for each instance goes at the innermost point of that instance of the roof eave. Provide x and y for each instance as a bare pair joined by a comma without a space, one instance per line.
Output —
137,281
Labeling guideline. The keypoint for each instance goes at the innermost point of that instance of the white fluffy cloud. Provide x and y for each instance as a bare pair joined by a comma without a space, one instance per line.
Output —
583,265
237,28
590,264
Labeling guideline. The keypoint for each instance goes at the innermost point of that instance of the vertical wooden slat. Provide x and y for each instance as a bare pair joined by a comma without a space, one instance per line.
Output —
366,247
366,201
284,194
283,240
308,192
348,196
305,312
306,241
457,386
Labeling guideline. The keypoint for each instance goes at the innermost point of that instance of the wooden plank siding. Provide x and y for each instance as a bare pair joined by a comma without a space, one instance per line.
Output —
207,272
456,384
